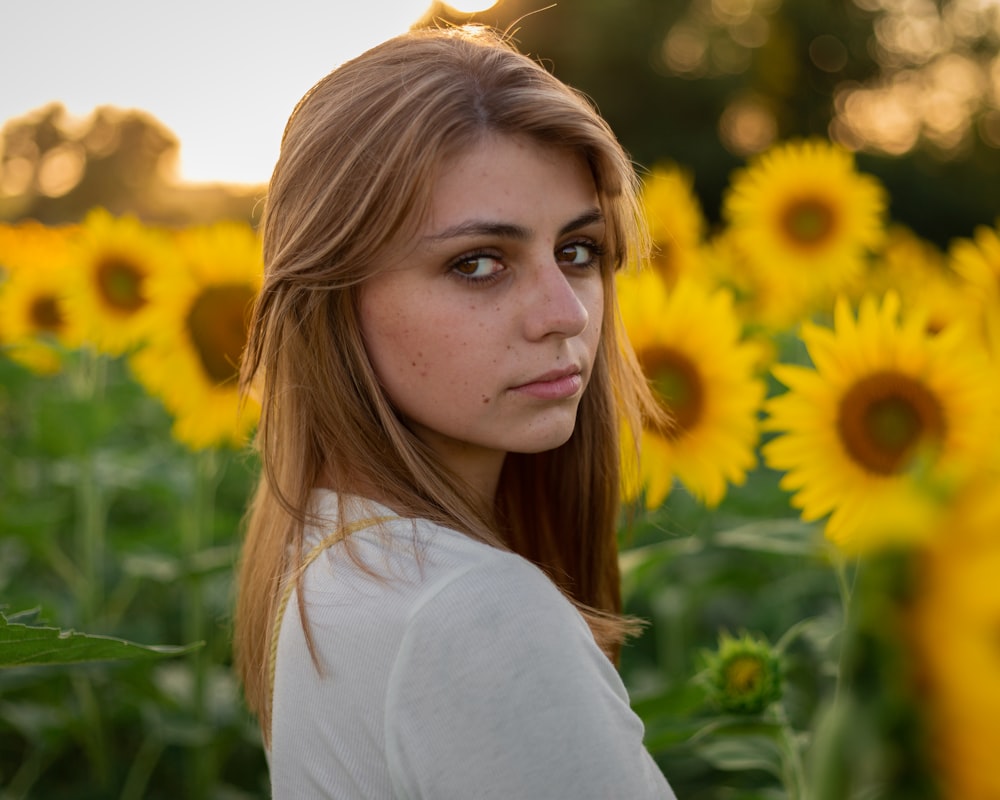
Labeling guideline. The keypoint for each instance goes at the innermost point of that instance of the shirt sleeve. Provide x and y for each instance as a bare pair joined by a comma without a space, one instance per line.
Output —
499,691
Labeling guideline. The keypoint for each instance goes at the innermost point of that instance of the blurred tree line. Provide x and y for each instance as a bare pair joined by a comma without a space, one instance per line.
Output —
706,83
54,168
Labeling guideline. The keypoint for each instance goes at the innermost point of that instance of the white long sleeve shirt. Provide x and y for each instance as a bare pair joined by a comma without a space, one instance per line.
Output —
457,672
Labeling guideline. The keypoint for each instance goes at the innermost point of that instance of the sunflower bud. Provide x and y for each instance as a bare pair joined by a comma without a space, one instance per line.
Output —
743,675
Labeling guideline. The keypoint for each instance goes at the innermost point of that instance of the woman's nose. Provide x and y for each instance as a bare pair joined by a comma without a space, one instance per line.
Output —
556,306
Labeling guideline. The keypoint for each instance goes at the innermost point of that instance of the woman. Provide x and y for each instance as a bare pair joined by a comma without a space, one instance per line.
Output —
429,594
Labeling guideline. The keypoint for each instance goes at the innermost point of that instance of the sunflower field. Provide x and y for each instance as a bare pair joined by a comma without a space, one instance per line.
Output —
814,539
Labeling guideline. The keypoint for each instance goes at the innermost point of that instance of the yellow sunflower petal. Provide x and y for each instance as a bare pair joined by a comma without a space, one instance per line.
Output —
954,621
803,212
688,343
200,317
676,222
115,258
890,414
977,261
34,263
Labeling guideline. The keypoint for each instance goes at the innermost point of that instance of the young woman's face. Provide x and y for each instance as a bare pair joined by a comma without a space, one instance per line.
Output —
485,331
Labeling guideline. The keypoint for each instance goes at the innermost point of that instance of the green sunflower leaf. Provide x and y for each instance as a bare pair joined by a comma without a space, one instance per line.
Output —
737,755
788,537
31,645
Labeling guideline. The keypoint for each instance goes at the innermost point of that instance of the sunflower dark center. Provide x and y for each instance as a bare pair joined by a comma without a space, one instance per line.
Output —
744,674
885,417
121,285
217,324
808,221
45,314
678,383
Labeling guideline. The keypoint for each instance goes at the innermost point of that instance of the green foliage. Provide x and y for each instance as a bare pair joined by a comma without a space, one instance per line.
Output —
108,527
39,645
748,565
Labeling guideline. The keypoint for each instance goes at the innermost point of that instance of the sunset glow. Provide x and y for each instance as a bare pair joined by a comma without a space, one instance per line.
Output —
222,78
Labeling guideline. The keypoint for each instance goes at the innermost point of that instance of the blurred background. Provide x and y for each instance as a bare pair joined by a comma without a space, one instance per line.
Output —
160,114
814,545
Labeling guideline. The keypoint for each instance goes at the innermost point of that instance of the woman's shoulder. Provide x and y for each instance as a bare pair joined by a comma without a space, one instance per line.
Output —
418,558
486,587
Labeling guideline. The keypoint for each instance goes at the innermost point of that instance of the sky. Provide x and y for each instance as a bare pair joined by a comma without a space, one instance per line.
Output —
222,75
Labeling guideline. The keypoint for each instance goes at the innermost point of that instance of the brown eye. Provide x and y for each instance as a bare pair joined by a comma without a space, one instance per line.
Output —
578,254
477,267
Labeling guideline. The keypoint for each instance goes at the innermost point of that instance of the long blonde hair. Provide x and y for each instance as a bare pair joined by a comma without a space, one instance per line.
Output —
358,161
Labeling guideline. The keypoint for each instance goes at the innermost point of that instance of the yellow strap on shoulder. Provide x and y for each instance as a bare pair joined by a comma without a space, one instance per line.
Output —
339,535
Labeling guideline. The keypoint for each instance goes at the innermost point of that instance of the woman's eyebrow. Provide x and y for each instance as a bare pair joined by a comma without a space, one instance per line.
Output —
506,230
475,227
590,217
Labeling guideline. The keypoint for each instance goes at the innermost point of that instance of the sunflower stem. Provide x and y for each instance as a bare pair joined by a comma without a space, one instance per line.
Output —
197,536
143,764
793,770
845,586
87,383
93,737
90,542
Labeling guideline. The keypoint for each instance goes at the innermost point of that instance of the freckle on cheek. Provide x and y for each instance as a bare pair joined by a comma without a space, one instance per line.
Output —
486,400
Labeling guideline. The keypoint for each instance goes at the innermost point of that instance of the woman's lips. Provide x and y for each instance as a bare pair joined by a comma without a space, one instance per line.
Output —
553,386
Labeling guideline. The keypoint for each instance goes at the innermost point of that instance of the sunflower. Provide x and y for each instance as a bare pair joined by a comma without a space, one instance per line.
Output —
116,258
803,213
676,222
33,266
977,260
200,318
944,303
744,675
903,257
883,424
954,620
918,272
688,344
762,299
